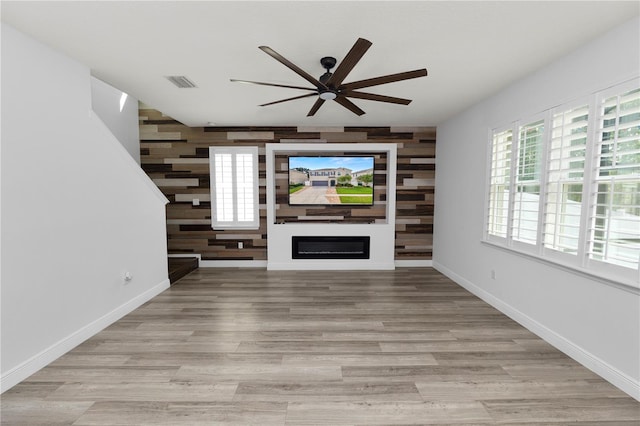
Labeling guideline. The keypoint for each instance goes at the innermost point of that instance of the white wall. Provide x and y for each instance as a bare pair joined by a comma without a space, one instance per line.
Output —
119,114
596,323
77,213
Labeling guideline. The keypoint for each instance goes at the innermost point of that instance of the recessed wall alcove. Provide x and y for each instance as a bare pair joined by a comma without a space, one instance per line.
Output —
377,222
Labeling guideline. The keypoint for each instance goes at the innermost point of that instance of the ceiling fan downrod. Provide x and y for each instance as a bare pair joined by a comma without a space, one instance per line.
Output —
329,94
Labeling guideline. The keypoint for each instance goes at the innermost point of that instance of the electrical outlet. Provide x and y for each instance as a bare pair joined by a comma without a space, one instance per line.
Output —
196,201
240,244
493,274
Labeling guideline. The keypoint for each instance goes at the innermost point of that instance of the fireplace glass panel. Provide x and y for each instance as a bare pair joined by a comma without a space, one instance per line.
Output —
330,247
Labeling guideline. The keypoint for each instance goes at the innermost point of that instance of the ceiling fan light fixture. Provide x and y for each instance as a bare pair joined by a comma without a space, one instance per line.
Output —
328,95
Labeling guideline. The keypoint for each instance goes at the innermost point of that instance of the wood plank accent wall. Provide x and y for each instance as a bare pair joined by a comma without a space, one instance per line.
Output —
176,157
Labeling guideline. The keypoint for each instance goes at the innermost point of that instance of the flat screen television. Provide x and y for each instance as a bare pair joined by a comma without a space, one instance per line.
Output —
331,180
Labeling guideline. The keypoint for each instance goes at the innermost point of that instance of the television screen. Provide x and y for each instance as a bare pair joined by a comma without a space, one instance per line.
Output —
331,180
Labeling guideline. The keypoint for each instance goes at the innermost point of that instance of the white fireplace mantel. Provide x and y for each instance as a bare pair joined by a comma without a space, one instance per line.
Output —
382,233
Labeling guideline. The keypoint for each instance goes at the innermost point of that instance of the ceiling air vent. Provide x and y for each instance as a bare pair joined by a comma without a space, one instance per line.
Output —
181,81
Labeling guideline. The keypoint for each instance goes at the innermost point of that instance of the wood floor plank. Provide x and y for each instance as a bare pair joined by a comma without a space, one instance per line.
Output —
564,409
90,360
258,372
119,413
498,358
256,336
388,336
110,374
385,413
566,370
200,359
451,346
129,347
37,412
249,346
355,359
425,372
474,390
327,391
139,391
30,390
314,347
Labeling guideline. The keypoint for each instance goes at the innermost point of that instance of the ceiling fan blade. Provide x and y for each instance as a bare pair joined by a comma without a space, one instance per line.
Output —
290,99
315,107
374,97
349,105
391,78
350,60
273,84
284,61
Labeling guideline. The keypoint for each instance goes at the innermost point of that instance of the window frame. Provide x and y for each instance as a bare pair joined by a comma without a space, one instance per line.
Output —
234,151
580,261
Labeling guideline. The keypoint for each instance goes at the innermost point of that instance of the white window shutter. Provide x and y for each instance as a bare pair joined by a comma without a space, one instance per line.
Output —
614,230
565,176
500,183
234,187
524,223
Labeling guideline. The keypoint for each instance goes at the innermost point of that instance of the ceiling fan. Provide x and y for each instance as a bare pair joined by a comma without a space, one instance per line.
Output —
330,85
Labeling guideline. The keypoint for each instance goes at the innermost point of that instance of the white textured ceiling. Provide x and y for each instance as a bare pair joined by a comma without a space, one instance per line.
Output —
470,49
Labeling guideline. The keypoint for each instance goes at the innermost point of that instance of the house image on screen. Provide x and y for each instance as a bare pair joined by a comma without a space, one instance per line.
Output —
297,177
327,177
356,175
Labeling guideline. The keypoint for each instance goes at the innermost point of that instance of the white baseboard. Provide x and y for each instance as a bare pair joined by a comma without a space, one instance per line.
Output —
53,352
614,376
414,263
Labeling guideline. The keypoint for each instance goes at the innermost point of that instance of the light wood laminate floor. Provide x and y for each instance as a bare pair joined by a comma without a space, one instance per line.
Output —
249,346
